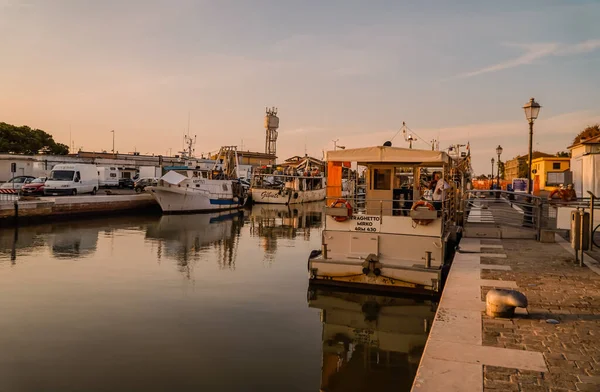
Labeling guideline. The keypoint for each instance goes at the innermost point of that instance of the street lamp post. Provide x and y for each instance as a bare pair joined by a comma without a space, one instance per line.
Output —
492,176
532,109
499,152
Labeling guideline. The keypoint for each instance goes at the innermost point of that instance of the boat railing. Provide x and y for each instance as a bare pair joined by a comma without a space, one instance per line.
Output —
420,210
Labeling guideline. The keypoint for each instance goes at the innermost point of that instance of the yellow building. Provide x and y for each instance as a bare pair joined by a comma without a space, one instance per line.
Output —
550,172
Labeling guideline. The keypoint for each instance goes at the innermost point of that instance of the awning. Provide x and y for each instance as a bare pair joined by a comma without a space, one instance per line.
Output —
381,154
173,178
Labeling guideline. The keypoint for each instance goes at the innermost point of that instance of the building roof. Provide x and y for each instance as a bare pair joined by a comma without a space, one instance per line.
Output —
297,160
252,154
388,155
552,158
534,155
592,140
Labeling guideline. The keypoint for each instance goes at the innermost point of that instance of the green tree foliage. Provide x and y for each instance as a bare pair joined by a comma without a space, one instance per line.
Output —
563,154
589,132
24,140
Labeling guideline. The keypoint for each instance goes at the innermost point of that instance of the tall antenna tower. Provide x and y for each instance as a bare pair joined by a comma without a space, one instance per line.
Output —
271,125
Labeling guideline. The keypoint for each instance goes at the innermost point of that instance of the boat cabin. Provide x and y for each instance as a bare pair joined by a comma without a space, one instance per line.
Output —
395,232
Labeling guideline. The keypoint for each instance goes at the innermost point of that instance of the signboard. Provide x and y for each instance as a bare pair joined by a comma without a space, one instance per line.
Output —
519,185
366,223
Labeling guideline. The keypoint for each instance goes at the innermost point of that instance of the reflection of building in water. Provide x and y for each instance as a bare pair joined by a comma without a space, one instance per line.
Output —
271,222
66,239
370,343
185,238
18,241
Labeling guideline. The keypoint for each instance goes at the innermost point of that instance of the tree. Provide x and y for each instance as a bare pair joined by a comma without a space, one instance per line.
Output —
563,154
589,132
501,168
24,140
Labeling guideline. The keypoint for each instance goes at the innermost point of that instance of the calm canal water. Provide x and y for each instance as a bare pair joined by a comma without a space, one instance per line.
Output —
193,302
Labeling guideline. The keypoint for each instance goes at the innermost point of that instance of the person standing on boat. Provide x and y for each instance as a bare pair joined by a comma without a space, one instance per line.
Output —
439,193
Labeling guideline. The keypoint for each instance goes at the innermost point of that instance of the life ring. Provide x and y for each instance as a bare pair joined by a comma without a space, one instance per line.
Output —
348,207
423,203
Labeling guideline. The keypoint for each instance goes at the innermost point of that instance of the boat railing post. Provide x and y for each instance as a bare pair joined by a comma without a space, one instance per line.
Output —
428,259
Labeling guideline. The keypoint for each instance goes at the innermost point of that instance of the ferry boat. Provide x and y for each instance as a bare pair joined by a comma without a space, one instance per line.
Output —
200,190
296,185
398,234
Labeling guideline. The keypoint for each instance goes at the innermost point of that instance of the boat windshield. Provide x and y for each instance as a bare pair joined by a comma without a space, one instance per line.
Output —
62,175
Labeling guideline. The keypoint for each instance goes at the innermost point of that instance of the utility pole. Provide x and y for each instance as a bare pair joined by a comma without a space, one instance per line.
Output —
113,149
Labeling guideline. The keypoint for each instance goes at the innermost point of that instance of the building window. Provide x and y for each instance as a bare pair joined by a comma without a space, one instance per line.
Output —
382,179
555,165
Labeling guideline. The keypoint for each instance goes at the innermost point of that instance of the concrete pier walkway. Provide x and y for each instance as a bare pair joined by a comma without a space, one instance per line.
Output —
554,345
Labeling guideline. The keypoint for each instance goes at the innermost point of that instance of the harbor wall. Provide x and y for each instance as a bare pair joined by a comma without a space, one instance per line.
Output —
62,207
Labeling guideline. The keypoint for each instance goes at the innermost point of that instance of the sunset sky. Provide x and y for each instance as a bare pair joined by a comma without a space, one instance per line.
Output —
344,69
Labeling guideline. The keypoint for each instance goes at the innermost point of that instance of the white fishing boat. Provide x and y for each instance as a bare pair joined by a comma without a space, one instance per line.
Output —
400,232
200,190
300,184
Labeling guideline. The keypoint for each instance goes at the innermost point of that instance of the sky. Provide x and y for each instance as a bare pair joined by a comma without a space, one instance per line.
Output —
345,70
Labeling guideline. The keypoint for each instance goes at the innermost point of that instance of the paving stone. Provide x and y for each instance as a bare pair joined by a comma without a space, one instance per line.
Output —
556,289
587,387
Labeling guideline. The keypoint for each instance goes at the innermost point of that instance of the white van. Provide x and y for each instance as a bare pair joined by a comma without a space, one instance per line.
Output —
72,179
108,176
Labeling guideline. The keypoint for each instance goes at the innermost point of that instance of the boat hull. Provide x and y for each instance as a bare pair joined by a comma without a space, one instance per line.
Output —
393,276
181,200
271,196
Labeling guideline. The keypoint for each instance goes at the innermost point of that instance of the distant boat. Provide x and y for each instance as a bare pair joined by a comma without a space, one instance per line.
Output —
299,185
192,190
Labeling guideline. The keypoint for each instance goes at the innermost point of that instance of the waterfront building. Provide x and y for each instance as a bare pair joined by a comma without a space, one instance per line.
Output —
517,167
585,164
550,173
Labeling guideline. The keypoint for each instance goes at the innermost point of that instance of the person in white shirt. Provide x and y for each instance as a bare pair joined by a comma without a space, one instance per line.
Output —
439,193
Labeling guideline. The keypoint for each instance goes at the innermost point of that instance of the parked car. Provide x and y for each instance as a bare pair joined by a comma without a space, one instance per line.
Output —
142,183
126,183
17,182
35,187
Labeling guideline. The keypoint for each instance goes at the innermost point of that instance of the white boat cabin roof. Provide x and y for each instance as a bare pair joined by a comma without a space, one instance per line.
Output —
384,154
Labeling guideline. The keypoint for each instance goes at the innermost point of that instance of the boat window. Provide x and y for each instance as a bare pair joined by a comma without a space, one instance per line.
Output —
224,187
403,177
382,179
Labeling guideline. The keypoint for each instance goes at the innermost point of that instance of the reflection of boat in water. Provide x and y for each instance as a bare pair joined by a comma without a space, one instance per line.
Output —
273,221
370,342
185,237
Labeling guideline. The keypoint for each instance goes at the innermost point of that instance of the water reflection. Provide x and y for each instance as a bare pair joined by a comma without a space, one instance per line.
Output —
65,240
370,342
271,222
186,238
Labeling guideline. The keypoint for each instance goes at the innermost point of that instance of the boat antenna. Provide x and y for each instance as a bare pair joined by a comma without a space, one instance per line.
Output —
403,129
